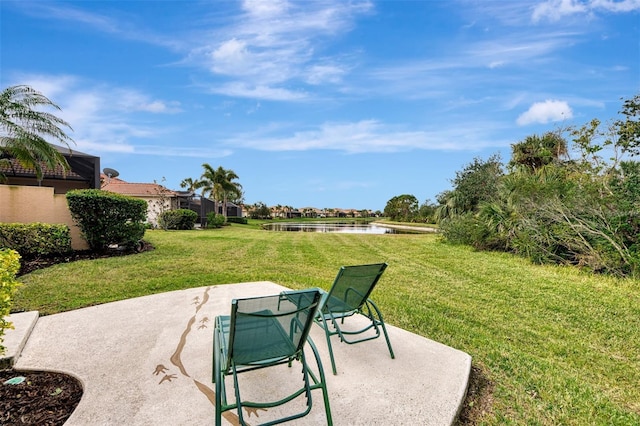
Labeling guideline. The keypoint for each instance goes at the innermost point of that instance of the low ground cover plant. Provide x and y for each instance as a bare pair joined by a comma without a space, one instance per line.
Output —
9,265
559,345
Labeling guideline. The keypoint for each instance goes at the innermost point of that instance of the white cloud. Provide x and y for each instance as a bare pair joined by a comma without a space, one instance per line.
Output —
616,6
371,136
555,10
261,8
274,43
104,118
265,92
318,74
545,112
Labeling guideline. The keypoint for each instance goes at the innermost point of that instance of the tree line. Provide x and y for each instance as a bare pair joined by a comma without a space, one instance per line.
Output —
569,196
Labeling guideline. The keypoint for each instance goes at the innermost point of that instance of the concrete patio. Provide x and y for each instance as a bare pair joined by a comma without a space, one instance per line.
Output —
147,361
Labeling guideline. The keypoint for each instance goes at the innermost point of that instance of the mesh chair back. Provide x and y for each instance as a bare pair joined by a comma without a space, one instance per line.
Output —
271,327
353,285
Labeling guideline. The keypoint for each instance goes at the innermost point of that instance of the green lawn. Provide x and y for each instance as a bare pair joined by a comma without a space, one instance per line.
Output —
561,346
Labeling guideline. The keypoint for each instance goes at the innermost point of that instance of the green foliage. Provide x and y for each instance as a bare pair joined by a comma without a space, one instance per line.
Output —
35,239
182,219
215,220
402,208
107,219
25,130
236,219
477,183
9,266
220,185
552,209
260,211
536,152
628,127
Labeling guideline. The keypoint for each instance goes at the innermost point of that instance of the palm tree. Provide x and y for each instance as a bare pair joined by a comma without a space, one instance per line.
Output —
23,130
192,184
219,184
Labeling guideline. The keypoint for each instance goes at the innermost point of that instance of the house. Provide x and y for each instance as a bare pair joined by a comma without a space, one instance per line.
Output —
158,197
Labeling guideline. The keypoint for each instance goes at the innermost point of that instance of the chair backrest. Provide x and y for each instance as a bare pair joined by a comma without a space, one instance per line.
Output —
354,284
271,327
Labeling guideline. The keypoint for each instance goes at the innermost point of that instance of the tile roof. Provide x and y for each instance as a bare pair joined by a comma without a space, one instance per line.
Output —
14,168
135,189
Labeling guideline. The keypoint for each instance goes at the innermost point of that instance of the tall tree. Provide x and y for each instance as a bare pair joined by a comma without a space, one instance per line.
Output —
24,130
219,184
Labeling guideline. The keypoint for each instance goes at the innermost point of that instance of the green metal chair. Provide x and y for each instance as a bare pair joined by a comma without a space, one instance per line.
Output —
349,295
264,332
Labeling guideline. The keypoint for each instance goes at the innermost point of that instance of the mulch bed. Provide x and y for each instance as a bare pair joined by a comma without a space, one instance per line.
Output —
43,398
31,264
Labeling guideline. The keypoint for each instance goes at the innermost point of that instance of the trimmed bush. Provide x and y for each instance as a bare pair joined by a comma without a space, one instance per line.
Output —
9,266
215,220
108,219
236,219
183,219
35,239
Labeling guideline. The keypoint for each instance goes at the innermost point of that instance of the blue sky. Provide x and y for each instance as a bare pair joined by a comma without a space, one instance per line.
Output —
330,104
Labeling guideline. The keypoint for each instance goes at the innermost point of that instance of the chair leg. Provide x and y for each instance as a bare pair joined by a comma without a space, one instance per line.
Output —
219,381
386,336
384,328
328,336
325,393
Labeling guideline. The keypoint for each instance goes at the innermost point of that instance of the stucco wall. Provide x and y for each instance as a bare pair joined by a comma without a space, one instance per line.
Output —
28,204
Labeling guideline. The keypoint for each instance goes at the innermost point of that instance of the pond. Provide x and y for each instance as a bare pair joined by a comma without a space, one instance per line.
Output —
346,228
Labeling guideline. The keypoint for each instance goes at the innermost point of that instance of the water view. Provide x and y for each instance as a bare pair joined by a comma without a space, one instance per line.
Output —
346,228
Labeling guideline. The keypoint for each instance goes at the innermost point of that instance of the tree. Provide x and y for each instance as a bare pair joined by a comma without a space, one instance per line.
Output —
192,185
535,152
402,208
476,183
260,211
24,130
219,184
629,127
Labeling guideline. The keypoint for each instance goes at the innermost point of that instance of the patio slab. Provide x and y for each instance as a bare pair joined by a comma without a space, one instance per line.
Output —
147,361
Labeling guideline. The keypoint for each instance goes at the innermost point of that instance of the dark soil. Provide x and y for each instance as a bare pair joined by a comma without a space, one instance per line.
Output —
479,398
47,398
31,264
43,398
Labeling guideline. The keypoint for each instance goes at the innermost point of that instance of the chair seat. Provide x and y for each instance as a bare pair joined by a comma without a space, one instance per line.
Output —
258,340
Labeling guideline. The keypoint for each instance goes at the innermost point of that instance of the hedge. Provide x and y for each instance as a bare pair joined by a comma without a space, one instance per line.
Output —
237,219
35,239
178,219
107,219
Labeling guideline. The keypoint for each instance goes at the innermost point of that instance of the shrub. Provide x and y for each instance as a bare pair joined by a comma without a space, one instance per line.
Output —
107,219
215,220
35,239
178,219
9,265
236,219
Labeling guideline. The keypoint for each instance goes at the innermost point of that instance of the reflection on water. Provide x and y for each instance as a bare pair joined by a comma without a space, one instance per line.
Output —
347,228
